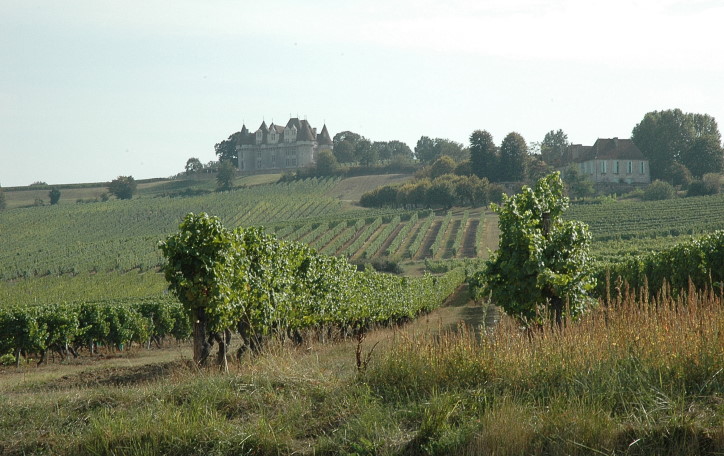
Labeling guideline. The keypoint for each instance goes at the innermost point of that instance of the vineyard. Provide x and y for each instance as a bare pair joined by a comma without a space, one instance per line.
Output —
121,236
630,228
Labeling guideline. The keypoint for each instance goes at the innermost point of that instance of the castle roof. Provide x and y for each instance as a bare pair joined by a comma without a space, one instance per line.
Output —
277,128
305,133
323,138
606,149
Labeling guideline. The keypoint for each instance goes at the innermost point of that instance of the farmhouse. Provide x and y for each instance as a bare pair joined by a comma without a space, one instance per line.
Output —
278,148
610,161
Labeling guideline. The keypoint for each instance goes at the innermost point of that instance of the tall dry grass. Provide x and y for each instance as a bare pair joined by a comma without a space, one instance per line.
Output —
634,376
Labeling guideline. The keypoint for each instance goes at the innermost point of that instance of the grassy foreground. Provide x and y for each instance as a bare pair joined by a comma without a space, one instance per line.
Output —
637,377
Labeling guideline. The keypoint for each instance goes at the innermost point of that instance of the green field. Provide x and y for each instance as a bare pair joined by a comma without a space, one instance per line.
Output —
631,378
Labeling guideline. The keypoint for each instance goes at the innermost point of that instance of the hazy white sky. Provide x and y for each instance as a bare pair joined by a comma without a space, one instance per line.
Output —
93,89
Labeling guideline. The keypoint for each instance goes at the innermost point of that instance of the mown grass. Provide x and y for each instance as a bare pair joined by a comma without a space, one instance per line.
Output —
636,377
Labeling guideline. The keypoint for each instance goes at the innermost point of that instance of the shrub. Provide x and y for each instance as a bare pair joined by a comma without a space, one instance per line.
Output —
659,190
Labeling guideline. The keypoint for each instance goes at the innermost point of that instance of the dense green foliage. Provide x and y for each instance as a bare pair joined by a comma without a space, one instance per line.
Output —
444,191
54,196
672,136
427,149
659,190
542,263
699,262
553,147
225,176
66,327
123,187
484,155
513,158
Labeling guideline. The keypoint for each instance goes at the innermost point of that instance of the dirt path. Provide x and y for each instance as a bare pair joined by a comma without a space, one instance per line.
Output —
428,241
468,249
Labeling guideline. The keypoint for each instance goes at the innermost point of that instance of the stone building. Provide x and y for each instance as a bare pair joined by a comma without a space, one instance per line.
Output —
610,161
280,148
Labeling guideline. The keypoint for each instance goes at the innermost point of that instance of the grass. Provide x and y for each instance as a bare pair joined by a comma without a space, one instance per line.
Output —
635,377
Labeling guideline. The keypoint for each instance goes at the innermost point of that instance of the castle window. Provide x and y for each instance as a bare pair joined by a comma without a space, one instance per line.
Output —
629,169
642,167
603,167
615,167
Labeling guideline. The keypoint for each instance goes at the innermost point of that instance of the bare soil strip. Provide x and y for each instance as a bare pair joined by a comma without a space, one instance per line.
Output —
429,240
468,248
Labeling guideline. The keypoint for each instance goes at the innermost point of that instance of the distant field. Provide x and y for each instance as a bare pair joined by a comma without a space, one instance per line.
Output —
351,189
71,193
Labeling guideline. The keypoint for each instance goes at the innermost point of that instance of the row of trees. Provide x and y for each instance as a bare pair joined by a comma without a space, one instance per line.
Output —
350,147
446,190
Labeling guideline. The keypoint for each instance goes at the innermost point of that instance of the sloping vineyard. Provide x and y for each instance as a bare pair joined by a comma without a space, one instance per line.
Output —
397,236
122,235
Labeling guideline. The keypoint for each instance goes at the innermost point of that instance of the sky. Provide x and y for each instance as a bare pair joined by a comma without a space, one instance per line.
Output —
95,89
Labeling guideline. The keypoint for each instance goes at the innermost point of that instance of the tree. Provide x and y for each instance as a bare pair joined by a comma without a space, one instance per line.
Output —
542,264
365,153
536,167
54,195
399,149
123,187
679,175
441,166
452,149
428,150
513,158
666,137
553,148
225,176
326,163
425,150
193,166
344,144
484,155
577,183
705,155
226,149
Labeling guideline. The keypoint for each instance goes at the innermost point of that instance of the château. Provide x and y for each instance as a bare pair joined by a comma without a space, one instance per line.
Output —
278,148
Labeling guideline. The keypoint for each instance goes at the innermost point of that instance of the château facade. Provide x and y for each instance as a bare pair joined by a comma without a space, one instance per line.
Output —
280,148
610,161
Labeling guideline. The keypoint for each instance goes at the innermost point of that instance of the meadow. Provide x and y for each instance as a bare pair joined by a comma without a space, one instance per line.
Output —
642,374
